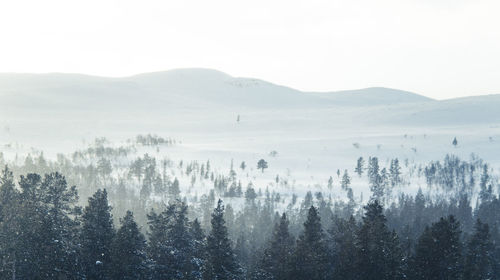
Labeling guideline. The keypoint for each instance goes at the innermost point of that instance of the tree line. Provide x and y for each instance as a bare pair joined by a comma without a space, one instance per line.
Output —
45,234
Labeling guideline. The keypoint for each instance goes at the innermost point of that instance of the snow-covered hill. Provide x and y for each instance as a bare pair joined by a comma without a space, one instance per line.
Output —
313,133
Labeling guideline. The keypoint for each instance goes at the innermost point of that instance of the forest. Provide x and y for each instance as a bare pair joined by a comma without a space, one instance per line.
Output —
108,212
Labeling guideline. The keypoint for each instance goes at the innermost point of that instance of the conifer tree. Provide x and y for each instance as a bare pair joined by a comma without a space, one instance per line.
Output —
278,255
438,251
128,255
97,236
262,164
343,235
360,166
171,245
346,181
9,226
311,256
221,262
478,258
379,255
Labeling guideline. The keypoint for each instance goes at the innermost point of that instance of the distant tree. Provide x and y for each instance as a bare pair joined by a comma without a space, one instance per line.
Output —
330,182
96,236
360,166
395,172
172,247
104,167
486,192
137,168
221,262
262,164
346,181
455,142
250,193
174,189
128,251
243,166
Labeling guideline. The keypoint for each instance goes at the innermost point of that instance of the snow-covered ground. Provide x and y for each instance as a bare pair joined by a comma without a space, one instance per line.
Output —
314,134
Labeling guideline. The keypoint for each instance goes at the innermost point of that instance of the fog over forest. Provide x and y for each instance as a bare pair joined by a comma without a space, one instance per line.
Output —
195,174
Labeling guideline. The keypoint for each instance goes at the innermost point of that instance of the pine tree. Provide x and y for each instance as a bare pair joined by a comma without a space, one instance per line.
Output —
346,181
330,183
171,245
45,246
221,262
97,236
379,255
262,164
438,251
174,189
128,255
360,166
199,249
395,172
478,258
343,235
9,226
311,256
277,257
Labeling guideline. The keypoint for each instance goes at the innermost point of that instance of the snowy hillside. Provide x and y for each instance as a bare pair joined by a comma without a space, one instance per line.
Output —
314,133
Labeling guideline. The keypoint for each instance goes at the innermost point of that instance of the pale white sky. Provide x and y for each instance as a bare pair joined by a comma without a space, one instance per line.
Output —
438,48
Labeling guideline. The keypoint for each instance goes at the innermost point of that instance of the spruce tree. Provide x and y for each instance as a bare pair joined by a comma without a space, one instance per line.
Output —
97,236
360,166
172,248
343,235
379,255
277,258
311,256
479,256
346,181
221,262
9,226
46,241
438,251
128,255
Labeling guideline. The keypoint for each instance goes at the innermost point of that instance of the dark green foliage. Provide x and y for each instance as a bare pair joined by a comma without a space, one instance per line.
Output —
9,225
479,260
378,250
128,255
438,252
221,262
343,242
173,249
97,236
311,256
41,229
277,259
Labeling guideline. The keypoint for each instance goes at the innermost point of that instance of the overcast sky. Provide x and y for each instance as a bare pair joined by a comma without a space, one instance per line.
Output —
438,48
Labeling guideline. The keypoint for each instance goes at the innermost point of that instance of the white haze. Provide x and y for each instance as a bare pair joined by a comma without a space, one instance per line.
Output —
440,49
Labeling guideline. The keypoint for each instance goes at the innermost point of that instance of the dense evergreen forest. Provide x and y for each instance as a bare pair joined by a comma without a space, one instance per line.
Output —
102,214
